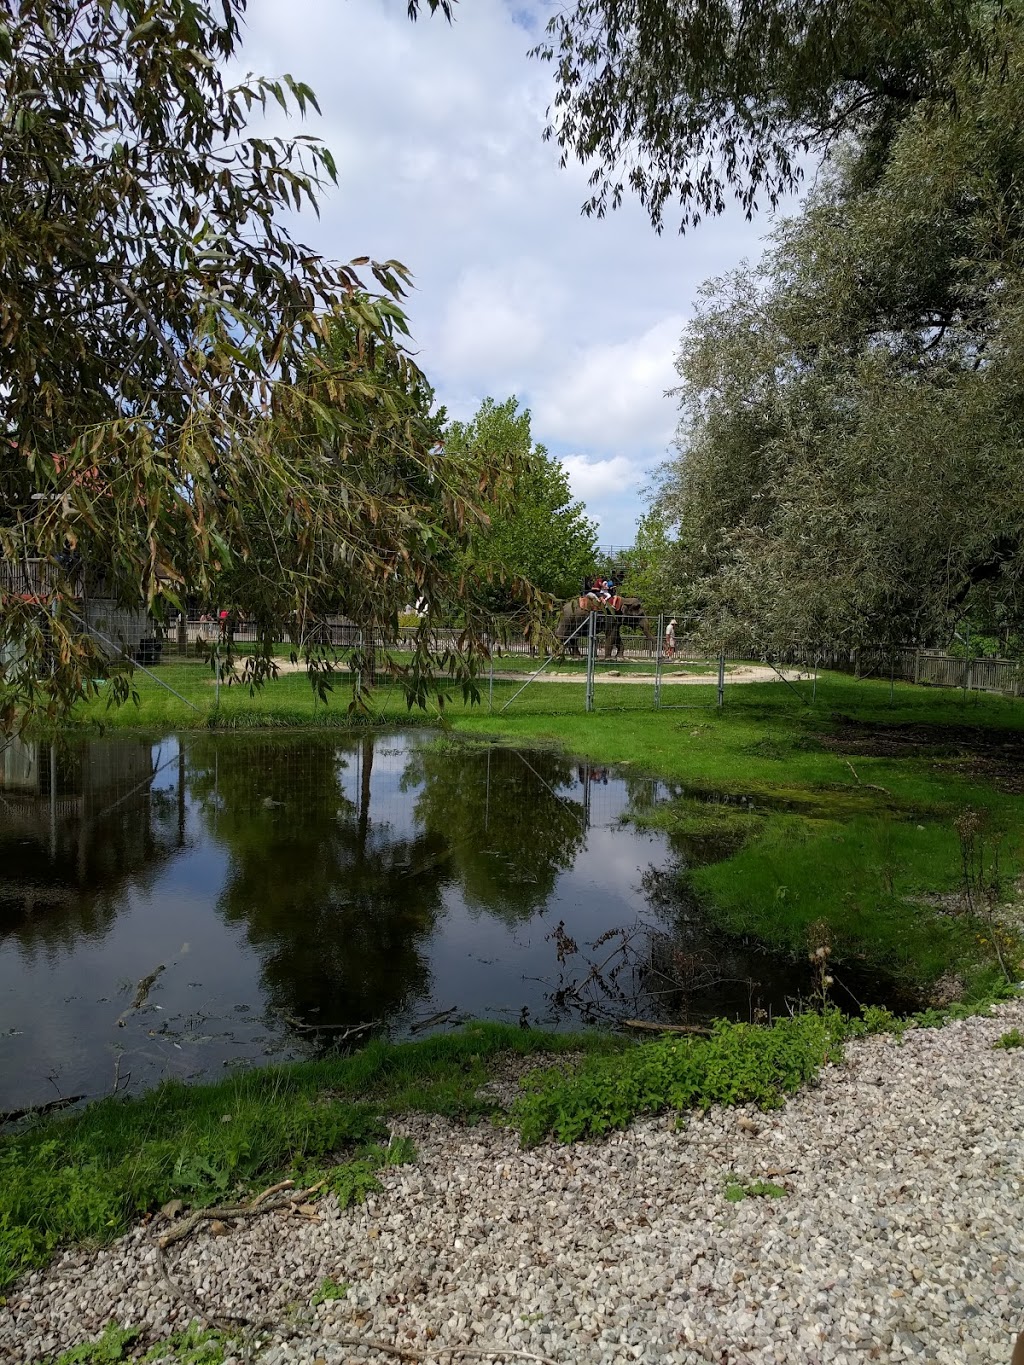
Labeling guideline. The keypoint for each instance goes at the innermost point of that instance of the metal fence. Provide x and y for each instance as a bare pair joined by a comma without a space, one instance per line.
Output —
634,653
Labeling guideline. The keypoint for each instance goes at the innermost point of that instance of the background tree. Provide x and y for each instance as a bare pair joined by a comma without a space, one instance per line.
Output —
646,569
153,314
536,531
849,465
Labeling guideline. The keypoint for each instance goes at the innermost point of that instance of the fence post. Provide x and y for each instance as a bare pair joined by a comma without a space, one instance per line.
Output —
721,679
917,665
591,657
490,694
657,662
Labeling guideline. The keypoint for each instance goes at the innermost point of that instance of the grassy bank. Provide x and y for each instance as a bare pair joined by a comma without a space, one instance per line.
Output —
88,1176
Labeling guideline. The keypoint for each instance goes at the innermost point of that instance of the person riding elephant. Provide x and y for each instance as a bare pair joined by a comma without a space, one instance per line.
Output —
575,612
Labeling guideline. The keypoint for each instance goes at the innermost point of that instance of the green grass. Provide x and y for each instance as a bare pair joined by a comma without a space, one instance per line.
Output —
86,1176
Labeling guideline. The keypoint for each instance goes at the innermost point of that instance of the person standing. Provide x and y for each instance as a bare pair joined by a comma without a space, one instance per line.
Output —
670,638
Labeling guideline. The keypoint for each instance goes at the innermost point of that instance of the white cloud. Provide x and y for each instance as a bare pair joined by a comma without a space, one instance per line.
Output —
437,133
496,324
594,480
612,393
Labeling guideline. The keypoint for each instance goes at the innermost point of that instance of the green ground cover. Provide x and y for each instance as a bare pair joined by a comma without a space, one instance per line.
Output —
88,1175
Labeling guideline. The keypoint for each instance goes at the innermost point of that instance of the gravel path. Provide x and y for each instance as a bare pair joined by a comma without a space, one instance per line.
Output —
900,1237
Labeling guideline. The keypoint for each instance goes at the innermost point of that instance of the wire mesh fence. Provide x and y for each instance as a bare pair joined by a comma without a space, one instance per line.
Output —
597,659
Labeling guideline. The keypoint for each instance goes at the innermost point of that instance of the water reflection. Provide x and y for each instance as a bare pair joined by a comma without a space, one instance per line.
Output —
292,885
508,820
78,826
337,893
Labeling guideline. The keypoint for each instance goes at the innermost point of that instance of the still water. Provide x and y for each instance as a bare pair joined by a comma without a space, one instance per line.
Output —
283,888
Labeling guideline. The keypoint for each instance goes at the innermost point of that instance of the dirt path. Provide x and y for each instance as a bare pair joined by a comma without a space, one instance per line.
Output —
743,673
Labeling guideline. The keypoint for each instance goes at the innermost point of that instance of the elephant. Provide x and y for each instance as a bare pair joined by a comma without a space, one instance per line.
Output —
573,615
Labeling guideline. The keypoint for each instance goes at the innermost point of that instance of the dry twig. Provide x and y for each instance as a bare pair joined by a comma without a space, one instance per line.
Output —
648,1026
279,1196
868,786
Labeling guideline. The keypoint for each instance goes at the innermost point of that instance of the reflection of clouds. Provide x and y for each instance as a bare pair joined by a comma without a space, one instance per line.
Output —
612,861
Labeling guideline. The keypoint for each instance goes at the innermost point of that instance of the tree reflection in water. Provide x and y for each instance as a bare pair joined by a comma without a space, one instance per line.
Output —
80,826
510,827
340,888
338,903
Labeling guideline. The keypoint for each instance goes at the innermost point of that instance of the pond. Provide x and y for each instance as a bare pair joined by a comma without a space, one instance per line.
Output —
182,906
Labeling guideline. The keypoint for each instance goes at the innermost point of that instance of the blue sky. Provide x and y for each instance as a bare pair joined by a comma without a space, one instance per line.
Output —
437,134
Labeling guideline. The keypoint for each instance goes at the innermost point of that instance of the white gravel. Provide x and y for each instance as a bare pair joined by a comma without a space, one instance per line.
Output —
901,1236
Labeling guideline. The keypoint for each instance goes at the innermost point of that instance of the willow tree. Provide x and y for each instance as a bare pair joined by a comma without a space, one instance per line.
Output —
156,324
849,463
687,106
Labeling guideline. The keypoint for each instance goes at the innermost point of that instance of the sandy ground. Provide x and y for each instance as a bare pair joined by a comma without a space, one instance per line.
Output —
740,673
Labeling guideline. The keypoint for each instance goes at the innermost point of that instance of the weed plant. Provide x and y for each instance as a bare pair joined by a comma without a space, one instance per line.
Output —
736,1189
738,1064
194,1345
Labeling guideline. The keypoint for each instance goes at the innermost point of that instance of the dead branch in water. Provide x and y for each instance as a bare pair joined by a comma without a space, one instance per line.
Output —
346,1030
38,1110
141,994
438,1018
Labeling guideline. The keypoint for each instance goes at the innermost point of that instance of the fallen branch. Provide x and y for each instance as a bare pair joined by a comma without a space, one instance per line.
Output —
346,1030
868,786
263,1203
473,1352
224,1322
37,1110
649,1026
141,994
432,1019
279,1196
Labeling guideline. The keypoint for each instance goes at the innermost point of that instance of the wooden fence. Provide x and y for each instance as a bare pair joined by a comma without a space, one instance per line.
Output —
930,667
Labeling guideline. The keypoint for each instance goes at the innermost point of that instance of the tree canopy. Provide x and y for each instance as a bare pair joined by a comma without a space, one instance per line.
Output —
536,531
693,104
850,446
157,321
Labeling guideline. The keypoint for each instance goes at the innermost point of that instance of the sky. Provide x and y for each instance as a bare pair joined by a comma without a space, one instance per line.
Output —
436,131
